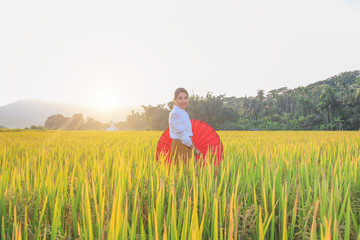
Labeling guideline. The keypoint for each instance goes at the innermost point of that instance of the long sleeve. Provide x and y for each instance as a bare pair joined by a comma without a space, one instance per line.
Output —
177,125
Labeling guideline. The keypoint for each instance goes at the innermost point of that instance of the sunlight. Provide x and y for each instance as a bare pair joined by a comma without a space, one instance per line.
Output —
105,101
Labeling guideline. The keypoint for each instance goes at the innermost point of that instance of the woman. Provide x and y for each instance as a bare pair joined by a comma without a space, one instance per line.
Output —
180,128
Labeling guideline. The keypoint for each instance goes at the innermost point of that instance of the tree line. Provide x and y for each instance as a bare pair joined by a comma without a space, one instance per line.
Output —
76,122
332,104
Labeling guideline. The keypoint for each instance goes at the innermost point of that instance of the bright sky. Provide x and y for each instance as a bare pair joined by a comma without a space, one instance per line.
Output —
130,53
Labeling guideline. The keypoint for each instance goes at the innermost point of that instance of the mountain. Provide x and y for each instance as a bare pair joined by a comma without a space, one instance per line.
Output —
24,113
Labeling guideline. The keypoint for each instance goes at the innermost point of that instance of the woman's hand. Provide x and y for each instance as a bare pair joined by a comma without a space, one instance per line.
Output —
197,151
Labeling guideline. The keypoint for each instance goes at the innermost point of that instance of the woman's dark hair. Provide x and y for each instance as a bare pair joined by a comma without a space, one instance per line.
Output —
179,90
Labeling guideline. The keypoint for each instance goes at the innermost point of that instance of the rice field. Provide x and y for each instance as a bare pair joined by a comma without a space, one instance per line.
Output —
108,185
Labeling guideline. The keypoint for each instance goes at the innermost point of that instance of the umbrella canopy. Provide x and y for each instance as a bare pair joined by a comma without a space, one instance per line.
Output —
205,138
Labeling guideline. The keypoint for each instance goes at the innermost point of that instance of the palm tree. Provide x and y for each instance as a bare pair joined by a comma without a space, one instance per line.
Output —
357,93
260,101
358,90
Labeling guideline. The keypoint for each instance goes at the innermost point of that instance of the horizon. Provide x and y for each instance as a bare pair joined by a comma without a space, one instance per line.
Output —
114,55
110,109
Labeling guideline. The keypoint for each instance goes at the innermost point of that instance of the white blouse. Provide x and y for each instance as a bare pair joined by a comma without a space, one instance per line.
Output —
180,125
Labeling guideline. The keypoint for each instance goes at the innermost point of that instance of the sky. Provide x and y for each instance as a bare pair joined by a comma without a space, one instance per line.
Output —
115,54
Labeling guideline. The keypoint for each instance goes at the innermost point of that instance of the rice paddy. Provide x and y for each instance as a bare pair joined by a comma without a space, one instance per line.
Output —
108,185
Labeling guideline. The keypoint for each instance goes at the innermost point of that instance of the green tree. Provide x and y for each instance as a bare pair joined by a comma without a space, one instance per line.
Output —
157,117
92,124
211,109
76,122
136,121
56,121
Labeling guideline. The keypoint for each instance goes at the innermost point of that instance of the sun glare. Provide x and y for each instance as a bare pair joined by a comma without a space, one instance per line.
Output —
105,101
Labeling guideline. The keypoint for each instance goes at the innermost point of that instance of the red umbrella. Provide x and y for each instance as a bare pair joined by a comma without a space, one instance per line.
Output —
205,138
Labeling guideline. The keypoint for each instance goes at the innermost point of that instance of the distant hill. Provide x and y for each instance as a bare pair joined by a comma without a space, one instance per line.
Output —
25,113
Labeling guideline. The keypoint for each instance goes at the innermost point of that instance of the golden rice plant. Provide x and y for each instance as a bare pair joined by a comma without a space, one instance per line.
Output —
108,185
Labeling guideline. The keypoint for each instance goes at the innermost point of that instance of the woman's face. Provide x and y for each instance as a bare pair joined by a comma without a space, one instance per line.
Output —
182,100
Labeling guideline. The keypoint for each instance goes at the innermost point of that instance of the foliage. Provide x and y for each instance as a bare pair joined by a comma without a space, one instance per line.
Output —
332,104
76,122
156,117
